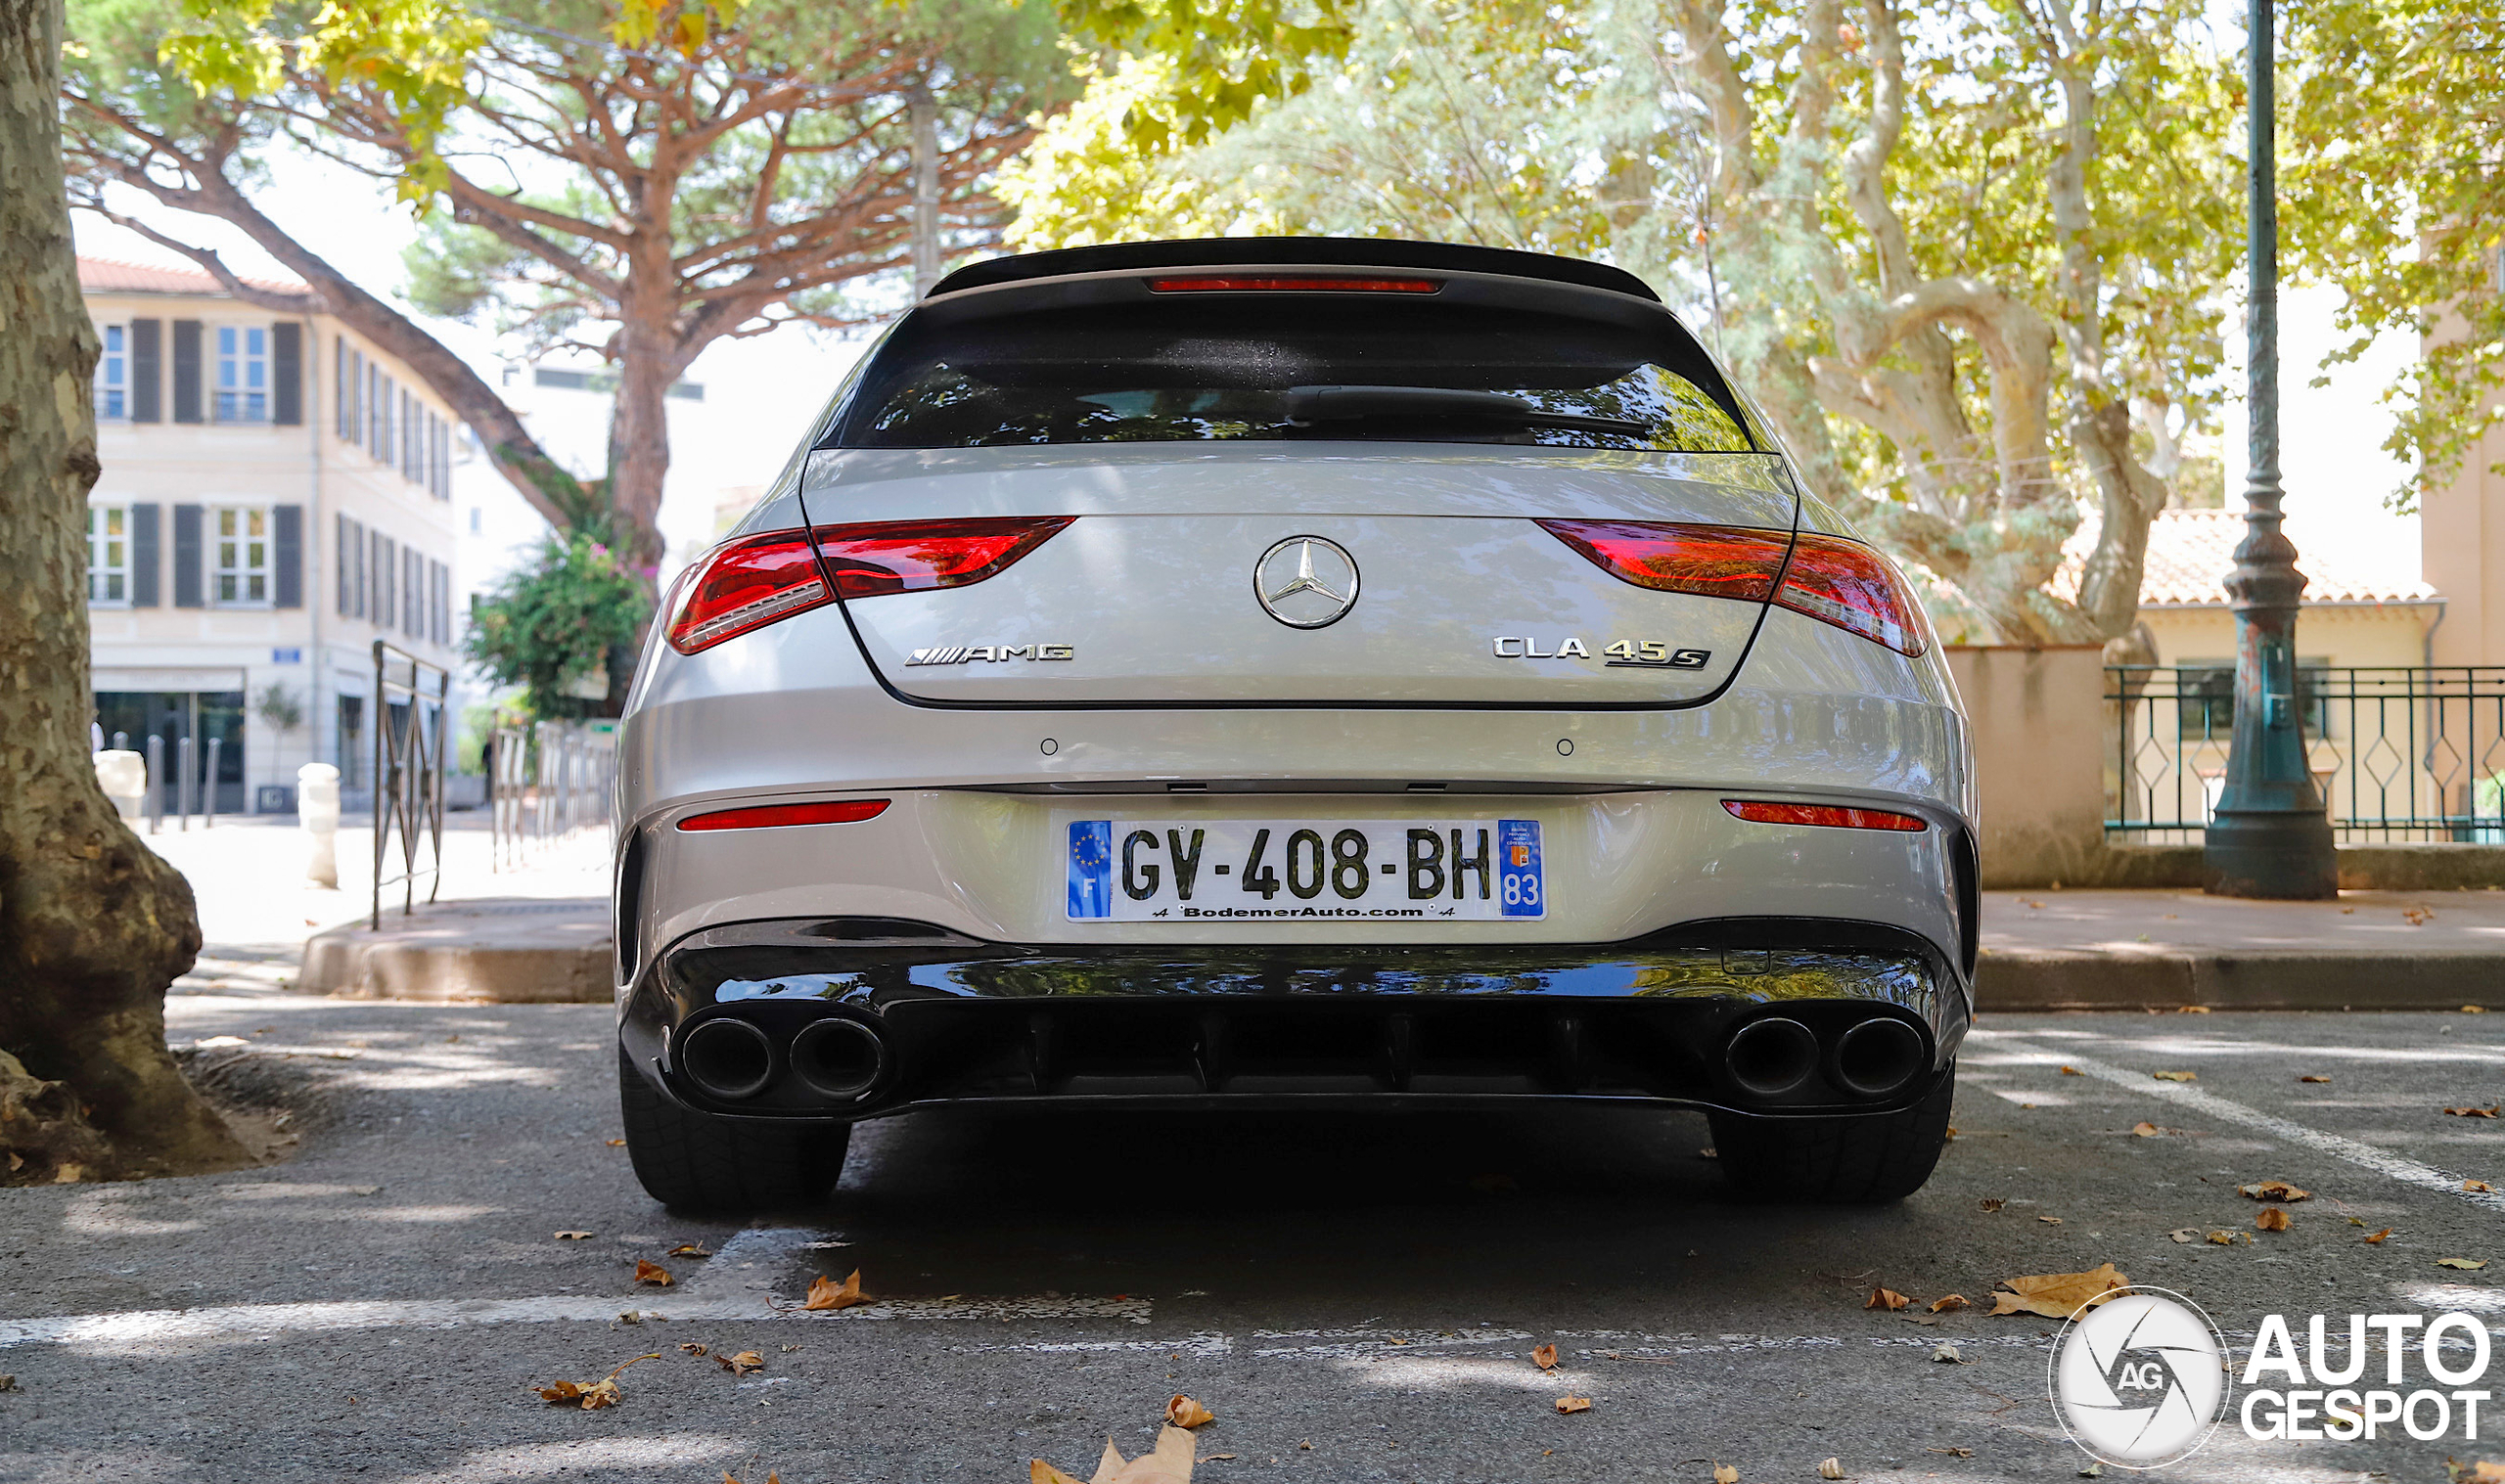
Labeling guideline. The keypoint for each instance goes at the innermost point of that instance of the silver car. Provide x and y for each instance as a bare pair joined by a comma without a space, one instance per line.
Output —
1291,672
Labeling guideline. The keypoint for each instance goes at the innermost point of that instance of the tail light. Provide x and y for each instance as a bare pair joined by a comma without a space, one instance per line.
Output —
757,580
851,811
1829,816
1825,577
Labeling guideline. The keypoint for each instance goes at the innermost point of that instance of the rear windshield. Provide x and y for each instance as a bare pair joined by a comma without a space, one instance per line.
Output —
1257,366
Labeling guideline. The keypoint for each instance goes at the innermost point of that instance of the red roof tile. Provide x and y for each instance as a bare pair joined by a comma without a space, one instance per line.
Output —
107,275
2192,551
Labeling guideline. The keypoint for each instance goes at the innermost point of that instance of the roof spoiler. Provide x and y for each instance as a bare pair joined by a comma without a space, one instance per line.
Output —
1294,251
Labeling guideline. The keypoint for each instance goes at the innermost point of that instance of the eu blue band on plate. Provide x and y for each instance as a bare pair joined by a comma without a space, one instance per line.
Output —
1518,868
1091,868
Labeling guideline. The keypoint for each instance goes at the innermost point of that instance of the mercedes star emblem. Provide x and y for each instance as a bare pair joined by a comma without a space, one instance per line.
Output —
1305,582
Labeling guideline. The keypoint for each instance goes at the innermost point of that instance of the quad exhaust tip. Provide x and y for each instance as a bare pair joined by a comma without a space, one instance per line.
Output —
728,1057
1876,1056
838,1058
1772,1057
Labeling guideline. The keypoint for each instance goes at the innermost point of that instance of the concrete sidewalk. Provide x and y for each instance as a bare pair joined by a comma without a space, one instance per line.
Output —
2121,950
494,950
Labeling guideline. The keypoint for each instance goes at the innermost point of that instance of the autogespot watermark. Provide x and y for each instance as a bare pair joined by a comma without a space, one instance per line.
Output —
2143,1380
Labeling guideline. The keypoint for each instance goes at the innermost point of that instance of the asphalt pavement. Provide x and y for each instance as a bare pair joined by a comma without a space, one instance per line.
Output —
1352,1298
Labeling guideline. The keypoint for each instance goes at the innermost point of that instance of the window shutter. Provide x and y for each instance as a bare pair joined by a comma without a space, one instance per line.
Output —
287,555
186,553
385,556
413,593
340,562
146,371
186,388
287,375
143,556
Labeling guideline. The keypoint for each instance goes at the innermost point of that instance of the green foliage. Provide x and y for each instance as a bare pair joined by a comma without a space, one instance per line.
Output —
574,612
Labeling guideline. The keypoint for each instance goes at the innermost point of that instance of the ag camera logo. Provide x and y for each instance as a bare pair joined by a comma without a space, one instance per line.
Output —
2140,1380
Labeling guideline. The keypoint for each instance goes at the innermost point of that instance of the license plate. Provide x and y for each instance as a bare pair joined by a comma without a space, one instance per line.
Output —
1202,871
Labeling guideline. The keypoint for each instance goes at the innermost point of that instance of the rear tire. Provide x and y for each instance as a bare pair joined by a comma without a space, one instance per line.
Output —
1837,1161
701,1164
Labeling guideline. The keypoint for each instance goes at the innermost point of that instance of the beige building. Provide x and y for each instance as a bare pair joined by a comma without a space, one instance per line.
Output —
2462,526
276,496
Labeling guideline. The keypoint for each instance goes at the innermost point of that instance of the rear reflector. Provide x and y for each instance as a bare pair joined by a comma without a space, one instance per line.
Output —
1828,579
772,816
746,584
1241,284
917,555
757,580
1766,812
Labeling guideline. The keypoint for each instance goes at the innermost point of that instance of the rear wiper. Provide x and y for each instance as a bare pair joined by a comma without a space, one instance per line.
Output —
1309,405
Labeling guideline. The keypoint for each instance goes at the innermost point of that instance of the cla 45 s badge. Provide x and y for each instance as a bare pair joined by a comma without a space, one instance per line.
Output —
994,653
1637,654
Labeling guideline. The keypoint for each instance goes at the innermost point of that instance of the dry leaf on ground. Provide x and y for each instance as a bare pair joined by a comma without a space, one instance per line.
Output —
1885,1298
1946,1355
2271,1219
1169,1463
2475,1186
689,1249
2218,1239
2490,1112
2145,1130
2068,1071
1544,1356
2185,1233
694,1349
2190,1009
617,1144
574,1237
746,1363
649,1271
593,1397
1992,1202
1572,1403
2273,1190
2311,1078
2485,1473
2176,1076
8,1384
1830,1468
1724,1473
2056,1295
826,1293
1952,1301
1186,1413
2462,1264
2376,1238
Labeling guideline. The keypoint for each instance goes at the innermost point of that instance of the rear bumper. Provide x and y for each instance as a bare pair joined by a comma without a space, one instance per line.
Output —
952,1019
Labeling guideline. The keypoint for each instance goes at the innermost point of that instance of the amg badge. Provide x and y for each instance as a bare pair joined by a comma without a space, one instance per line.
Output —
994,653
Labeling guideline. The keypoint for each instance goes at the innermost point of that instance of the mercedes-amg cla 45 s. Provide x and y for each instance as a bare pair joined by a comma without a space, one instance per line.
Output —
1291,673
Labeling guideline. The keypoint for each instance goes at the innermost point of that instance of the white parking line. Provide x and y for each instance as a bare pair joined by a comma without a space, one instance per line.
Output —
2382,1162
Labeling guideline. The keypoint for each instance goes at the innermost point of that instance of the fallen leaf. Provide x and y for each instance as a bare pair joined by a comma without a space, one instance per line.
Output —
2176,1076
2220,1239
2056,1295
2271,1219
8,1384
2188,1009
2185,1233
617,1144
2068,1071
2490,1112
2050,1221
2473,1010
2479,1186
746,1363
694,1349
826,1293
574,1237
1169,1463
1952,1133
649,1271
2273,1190
1183,1411
2309,1077
2462,1264
1724,1473
2377,1238
1544,1356
1708,1152
689,1249
595,1396
1830,1468
2487,1474
1572,1403
1992,1202
2417,916
1953,1452
1886,1298
1952,1301
2145,1130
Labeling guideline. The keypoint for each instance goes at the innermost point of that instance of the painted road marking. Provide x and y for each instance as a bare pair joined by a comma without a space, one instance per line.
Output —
2382,1161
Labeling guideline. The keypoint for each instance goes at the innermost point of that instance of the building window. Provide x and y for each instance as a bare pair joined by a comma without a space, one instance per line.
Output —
113,375
242,374
241,561
109,555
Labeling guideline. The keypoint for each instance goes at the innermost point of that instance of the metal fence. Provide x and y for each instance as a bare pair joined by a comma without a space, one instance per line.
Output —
547,782
2399,753
412,732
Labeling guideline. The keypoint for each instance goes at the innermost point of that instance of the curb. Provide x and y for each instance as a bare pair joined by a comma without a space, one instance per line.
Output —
547,953
2026,980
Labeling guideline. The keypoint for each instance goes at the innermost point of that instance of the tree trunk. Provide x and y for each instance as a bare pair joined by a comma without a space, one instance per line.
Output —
93,925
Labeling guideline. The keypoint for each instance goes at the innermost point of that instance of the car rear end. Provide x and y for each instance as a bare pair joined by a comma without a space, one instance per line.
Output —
1327,674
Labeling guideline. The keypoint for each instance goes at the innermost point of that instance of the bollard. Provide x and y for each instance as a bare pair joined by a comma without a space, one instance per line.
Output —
121,741
209,785
123,776
186,784
317,809
156,783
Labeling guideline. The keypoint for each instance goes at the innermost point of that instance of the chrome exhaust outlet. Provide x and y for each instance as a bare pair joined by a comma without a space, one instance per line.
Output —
838,1058
1877,1057
727,1058
1772,1057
